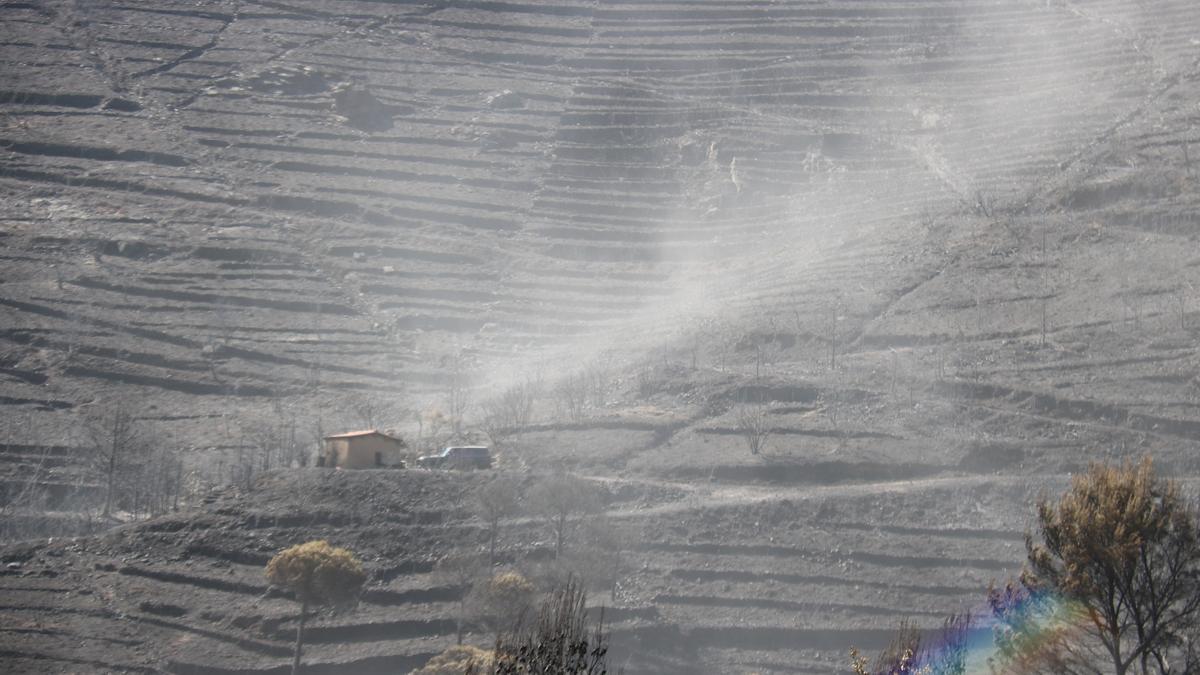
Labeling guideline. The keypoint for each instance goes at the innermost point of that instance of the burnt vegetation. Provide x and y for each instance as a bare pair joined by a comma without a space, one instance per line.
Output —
782,322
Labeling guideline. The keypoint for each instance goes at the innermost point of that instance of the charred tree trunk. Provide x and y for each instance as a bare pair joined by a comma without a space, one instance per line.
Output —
111,470
559,532
492,547
300,637
462,610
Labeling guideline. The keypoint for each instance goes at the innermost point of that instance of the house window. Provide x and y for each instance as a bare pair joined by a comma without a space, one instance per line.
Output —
379,459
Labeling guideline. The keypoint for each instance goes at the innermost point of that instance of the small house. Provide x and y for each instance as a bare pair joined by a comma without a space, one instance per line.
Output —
362,450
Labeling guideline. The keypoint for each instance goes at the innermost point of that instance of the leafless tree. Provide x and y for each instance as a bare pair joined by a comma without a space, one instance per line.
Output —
157,483
557,499
766,342
119,441
599,378
1131,299
1045,318
73,335
494,502
754,425
599,558
721,338
24,495
456,368
835,311
698,337
508,412
767,350
832,401
497,437
571,396
433,423
513,408
243,466
647,378
1180,295
316,437
372,410
461,569
224,322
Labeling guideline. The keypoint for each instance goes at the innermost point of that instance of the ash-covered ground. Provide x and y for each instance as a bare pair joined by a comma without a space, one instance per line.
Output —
936,256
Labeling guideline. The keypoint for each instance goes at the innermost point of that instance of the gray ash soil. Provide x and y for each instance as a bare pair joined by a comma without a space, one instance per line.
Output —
187,593
233,212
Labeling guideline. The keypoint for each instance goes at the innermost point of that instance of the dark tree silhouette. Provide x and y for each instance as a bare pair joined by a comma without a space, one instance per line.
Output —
1123,545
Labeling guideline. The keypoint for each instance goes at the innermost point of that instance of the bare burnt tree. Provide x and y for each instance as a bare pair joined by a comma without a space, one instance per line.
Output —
571,396
277,439
73,335
753,425
494,502
518,402
835,311
267,445
497,436
316,441
1131,303
767,349
832,403
558,499
152,487
598,557
513,407
119,442
24,495
716,336
372,410
461,569
557,641
243,466
165,480
599,379
456,367
647,379
766,343
1180,295
433,425
699,336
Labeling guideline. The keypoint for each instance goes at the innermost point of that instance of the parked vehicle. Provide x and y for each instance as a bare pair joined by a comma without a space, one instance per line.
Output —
459,457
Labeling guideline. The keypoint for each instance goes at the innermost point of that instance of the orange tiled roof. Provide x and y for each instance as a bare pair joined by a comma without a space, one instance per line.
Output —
359,434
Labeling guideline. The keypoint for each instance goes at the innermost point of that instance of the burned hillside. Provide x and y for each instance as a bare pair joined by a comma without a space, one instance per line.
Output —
816,298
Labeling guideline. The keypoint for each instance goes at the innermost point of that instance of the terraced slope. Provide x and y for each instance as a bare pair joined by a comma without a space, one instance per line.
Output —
186,594
238,211
237,201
